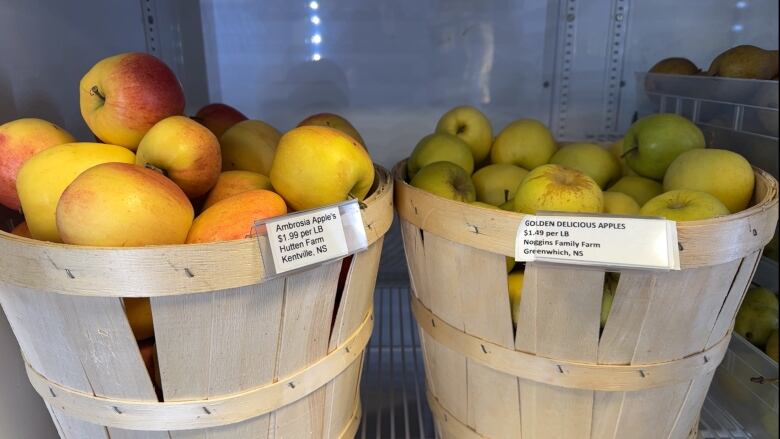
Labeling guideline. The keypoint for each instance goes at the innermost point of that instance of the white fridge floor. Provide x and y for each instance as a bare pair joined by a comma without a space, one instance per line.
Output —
393,385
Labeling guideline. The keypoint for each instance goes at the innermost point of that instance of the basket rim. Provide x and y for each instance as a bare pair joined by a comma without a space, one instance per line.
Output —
158,270
702,241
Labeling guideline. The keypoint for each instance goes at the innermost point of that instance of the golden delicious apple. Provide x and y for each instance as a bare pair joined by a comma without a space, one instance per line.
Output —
684,205
526,143
122,96
758,316
618,203
334,121
19,140
724,174
123,205
44,177
249,146
510,263
439,147
610,287
218,117
315,166
186,152
556,188
497,184
515,285
234,217
235,182
484,205
447,180
471,126
772,346
641,189
139,315
590,159
509,205
653,142
617,151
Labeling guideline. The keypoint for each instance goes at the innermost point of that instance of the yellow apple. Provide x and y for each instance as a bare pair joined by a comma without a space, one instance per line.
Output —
618,203
484,205
721,173
19,140
641,189
471,126
218,117
439,147
139,314
590,159
509,205
515,284
249,146
123,205
186,152
526,143
234,217
333,121
510,263
44,177
556,188
684,205
124,95
315,166
447,180
235,182
497,184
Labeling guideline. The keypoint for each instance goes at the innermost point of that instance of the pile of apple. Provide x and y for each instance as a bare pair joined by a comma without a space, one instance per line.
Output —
757,320
660,168
155,176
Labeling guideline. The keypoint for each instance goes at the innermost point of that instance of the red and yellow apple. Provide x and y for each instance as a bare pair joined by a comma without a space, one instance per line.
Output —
218,117
315,166
333,121
22,230
232,183
44,177
234,217
559,189
124,95
123,205
19,140
249,146
185,151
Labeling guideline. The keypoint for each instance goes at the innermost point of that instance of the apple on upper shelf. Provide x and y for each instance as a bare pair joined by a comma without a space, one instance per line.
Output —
218,117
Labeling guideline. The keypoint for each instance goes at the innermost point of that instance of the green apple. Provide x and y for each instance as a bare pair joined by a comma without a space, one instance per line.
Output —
509,205
772,346
592,160
526,143
653,142
471,126
724,174
618,203
556,188
639,188
610,286
496,184
758,316
438,147
617,151
515,285
684,205
447,180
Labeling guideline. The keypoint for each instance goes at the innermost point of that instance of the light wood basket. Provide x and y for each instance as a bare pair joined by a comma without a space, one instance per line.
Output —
645,376
240,355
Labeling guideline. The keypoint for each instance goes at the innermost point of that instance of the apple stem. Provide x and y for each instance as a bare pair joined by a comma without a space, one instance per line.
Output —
96,91
629,151
155,169
506,195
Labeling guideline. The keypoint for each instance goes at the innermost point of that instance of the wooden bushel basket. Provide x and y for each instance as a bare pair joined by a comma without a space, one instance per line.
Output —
240,355
645,376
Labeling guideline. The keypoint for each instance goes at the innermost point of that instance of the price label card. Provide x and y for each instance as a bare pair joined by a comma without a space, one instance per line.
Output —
606,241
311,237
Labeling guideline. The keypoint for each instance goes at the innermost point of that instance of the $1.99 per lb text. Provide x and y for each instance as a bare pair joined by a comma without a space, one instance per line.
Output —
599,241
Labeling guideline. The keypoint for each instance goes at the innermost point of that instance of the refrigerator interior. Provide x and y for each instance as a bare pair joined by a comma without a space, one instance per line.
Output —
391,68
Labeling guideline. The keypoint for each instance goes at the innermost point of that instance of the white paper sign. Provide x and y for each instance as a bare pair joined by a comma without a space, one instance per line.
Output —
599,240
300,240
